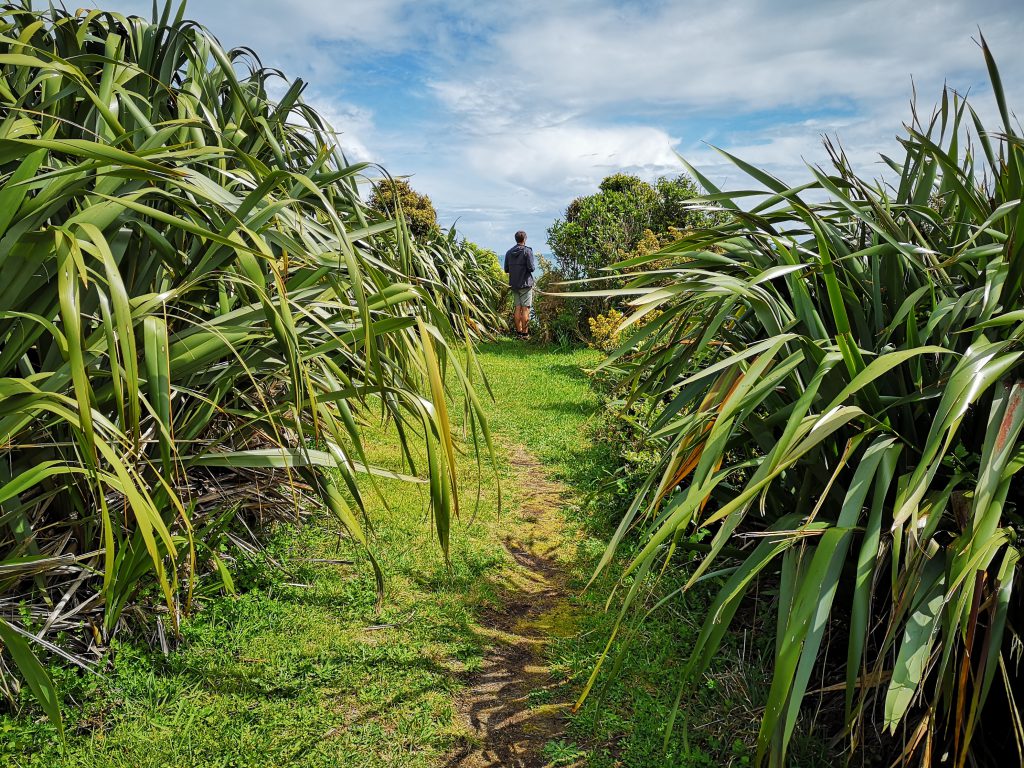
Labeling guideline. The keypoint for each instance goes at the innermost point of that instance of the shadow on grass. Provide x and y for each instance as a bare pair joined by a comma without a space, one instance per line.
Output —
529,348
568,408
351,664
572,372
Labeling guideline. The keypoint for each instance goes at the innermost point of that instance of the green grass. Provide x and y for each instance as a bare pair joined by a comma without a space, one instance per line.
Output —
299,675
543,400
312,675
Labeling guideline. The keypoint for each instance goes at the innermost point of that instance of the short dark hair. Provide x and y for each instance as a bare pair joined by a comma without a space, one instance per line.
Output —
520,236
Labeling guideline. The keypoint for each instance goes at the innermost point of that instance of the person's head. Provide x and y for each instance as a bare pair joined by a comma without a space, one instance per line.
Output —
520,237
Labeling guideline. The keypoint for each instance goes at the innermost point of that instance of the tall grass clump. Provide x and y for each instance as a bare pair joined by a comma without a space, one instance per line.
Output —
197,312
464,280
839,374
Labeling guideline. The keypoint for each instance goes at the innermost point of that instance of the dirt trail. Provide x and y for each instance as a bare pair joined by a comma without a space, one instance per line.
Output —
507,731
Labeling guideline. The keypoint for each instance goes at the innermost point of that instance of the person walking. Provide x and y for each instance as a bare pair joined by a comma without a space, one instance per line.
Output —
519,265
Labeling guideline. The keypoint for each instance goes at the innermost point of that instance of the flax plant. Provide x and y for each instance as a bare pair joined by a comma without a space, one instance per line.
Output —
839,374
197,313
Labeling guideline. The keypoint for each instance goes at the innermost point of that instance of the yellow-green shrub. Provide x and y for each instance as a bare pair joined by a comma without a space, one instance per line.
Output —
605,330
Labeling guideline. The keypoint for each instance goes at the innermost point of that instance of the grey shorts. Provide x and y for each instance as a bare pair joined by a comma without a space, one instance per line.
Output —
522,297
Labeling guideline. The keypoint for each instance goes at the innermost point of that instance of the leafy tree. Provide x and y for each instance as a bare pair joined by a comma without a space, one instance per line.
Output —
673,197
626,218
390,194
600,229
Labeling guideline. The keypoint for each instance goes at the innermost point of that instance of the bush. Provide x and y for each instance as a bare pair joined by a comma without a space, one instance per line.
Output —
625,220
393,196
463,278
623,432
609,226
555,318
193,300
845,382
604,330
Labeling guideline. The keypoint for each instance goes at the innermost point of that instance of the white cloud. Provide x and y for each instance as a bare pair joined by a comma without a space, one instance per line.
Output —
743,55
314,39
572,156
275,25
762,80
502,113
354,126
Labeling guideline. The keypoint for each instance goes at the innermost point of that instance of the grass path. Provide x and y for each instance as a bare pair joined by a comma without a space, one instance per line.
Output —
515,704
497,705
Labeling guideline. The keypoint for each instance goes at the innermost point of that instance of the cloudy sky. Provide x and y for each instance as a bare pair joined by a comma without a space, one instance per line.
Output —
504,112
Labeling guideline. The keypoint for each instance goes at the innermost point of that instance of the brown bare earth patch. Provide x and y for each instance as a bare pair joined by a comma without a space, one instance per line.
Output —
504,729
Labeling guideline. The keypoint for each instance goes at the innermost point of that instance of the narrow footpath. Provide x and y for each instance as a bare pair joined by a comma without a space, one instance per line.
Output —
509,729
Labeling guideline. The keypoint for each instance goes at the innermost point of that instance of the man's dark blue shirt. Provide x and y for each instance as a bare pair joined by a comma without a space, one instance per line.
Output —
519,265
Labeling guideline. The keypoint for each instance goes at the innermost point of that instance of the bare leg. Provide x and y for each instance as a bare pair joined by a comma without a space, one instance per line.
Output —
521,319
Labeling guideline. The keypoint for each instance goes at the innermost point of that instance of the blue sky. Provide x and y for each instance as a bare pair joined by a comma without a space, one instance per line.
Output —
503,112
